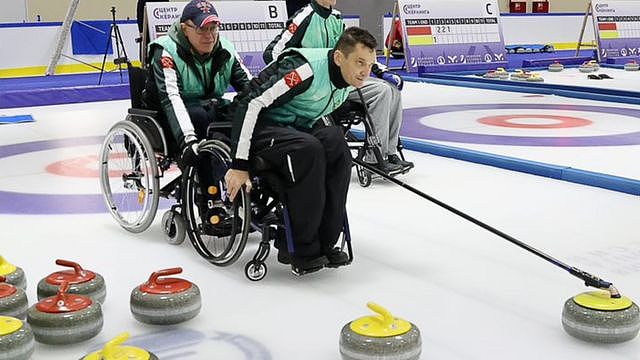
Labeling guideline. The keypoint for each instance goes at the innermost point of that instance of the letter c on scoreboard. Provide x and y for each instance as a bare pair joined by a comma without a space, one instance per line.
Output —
488,7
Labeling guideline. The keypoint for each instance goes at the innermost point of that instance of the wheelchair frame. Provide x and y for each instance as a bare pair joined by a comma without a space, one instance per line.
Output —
358,114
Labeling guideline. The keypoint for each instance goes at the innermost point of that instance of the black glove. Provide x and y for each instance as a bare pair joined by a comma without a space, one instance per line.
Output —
189,155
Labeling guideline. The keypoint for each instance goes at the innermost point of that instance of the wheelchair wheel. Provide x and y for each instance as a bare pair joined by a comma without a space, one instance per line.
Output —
129,176
224,245
364,176
255,270
173,227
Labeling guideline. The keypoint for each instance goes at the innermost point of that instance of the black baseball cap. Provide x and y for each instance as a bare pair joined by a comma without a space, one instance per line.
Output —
201,12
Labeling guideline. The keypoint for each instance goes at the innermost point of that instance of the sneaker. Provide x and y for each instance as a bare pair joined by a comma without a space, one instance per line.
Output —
395,159
337,257
388,168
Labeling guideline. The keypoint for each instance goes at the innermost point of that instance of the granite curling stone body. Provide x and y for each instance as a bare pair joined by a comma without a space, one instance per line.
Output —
165,301
599,318
81,282
113,350
16,339
65,318
632,66
380,337
13,274
555,67
13,300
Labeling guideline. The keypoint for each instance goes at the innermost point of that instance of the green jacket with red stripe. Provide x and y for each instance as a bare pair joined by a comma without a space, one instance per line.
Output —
296,90
313,26
183,78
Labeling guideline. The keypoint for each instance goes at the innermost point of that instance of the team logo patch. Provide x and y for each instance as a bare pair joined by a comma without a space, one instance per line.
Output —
292,28
167,63
292,79
204,6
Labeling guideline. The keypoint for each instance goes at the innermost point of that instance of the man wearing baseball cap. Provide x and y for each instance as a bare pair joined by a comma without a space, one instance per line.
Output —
190,70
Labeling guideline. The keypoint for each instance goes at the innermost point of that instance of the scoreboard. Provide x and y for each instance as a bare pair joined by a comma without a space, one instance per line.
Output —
452,35
617,26
250,25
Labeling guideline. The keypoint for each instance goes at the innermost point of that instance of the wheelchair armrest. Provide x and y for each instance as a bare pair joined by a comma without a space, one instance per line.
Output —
142,112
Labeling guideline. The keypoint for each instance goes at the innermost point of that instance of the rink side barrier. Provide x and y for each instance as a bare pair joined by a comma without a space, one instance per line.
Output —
579,92
558,172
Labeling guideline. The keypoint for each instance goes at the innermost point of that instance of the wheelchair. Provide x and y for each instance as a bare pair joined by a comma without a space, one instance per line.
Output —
351,114
136,156
270,217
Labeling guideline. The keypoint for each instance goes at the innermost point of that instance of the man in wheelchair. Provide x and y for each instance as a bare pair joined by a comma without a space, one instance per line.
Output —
319,25
190,70
277,120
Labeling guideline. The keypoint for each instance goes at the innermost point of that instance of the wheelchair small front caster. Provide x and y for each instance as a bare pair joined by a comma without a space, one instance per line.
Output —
364,176
173,227
255,270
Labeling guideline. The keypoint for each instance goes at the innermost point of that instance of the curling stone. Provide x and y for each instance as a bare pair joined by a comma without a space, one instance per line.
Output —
15,275
13,301
534,77
520,75
555,67
65,318
597,317
589,66
165,301
16,339
380,337
113,351
499,73
81,282
632,66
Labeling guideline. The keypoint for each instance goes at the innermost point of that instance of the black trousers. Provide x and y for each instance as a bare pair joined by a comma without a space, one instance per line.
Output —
315,170
209,170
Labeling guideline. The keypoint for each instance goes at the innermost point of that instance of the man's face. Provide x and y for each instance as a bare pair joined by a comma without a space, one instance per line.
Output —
356,66
326,3
204,39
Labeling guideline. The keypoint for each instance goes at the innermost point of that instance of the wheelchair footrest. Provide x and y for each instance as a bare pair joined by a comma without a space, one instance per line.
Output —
299,272
335,266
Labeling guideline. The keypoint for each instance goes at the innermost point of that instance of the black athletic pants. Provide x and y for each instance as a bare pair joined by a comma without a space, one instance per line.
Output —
315,168
208,169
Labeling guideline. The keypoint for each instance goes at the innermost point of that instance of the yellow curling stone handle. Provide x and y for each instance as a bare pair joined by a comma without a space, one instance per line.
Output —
381,325
113,351
602,300
6,268
9,325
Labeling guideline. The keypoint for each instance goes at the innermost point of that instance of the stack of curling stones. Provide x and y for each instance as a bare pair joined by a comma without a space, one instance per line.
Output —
599,317
81,282
165,301
65,318
16,339
114,351
632,66
13,274
13,300
555,67
380,337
